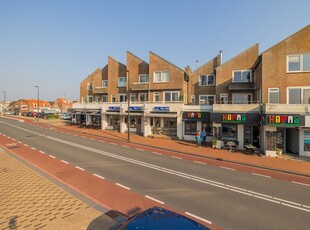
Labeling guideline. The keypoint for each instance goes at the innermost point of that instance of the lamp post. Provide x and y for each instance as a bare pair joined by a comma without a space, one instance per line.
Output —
128,100
4,101
38,100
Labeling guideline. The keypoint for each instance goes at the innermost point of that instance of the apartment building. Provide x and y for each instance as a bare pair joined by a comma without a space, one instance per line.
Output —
27,105
62,105
284,70
252,99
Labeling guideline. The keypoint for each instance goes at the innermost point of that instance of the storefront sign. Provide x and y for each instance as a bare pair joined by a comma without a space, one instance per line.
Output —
233,118
114,108
283,120
135,108
196,116
161,109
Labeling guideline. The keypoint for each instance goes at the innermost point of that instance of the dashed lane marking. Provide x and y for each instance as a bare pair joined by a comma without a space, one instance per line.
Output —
65,162
262,175
101,177
123,186
295,182
179,158
51,156
199,162
80,168
227,168
198,217
153,199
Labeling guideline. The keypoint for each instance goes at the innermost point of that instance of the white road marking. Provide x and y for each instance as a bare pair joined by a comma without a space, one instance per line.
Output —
262,175
26,145
33,148
157,153
112,143
80,168
92,139
153,199
123,186
51,156
295,182
140,149
199,162
65,162
179,158
198,218
227,168
125,146
185,175
101,177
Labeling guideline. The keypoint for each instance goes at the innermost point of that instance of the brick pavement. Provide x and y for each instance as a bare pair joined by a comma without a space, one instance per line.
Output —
30,201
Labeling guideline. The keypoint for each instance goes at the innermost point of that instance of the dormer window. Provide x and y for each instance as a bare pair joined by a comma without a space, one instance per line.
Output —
206,80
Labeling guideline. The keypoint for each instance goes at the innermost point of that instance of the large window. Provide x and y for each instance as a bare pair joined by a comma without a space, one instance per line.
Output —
104,98
132,97
143,97
224,98
121,82
143,78
104,83
90,99
193,101
171,96
156,96
89,86
298,95
206,99
298,63
206,80
242,76
190,127
161,76
229,132
273,95
241,98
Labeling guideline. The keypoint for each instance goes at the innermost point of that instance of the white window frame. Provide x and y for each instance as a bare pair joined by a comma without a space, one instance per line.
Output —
156,94
113,97
161,77
104,83
89,85
90,98
122,83
171,92
301,94
223,96
145,95
132,97
146,80
242,80
193,100
207,96
97,99
274,90
122,95
301,65
83,99
207,80
104,96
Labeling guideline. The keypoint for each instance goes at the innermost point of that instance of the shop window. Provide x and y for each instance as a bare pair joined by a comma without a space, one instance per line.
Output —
229,132
190,127
208,127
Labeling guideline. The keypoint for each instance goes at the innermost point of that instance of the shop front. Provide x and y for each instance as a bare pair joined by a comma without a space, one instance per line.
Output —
282,132
239,128
194,121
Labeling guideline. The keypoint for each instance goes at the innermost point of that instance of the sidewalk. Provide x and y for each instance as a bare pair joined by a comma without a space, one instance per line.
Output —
284,162
30,201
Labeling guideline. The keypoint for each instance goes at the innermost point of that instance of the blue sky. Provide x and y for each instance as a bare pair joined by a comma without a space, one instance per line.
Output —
56,44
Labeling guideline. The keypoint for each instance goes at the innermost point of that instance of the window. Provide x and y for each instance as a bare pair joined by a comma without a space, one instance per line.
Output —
83,99
190,127
97,98
143,78
121,82
224,98
122,97
229,132
206,80
143,97
171,96
241,98
89,86
113,98
156,96
193,101
104,83
104,98
298,95
132,97
206,99
161,76
298,63
273,95
90,99
242,76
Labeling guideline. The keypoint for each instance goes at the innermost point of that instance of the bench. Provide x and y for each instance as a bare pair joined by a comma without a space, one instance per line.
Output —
251,149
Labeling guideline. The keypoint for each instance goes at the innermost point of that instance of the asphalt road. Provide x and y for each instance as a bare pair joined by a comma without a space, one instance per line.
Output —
228,198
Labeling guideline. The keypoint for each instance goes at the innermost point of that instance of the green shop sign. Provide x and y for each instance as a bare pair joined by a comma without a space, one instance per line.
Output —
233,118
283,120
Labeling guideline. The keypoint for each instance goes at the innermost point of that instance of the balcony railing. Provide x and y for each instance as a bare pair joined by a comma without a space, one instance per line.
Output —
100,90
139,86
241,86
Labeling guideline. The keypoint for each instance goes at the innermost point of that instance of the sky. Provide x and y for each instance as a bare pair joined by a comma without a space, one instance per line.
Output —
56,44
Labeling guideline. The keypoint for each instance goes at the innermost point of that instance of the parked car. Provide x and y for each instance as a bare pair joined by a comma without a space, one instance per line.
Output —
153,218
65,116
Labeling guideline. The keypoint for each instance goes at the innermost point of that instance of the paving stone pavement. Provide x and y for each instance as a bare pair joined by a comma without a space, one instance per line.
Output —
30,201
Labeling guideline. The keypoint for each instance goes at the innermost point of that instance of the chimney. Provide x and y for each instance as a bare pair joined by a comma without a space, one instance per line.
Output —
221,57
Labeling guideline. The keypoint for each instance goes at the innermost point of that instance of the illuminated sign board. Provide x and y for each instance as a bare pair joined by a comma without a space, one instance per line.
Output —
161,109
282,120
114,108
135,108
233,118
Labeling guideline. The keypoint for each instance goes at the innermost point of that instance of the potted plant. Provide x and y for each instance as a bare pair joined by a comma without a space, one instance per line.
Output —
214,141
279,151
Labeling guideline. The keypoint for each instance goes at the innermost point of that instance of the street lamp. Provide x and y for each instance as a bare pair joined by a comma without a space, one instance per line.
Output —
128,100
4,92
38,100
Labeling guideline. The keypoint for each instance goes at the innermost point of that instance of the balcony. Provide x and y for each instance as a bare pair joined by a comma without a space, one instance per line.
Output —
100,90
241,86
286,109
140,86
245,108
